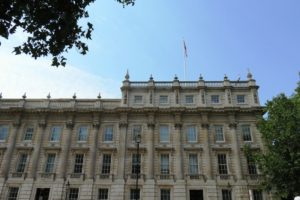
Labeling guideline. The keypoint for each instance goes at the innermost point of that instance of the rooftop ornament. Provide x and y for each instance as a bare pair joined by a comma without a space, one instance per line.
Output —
127,76
49,96
24,96
175,78
200,77
249,75
225,77
0,95
99,96
74,95
151,78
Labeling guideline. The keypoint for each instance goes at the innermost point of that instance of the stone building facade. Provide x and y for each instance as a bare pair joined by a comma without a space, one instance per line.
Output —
192,135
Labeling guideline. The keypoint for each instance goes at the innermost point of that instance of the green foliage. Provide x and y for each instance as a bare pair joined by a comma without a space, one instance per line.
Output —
280,130
52,26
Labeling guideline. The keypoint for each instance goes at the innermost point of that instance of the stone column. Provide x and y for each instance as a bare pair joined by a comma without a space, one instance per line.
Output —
66,144
177,141
11,143
37,149
94,147
207,151
150,150
235,147
122,146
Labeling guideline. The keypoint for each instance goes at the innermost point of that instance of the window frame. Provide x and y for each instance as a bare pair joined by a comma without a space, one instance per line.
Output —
226,194
52,139
105,195
244,133
213,100
85,137
164,138
52,165
21,165
188,134
222,166
13,195
238,98
76,192
108,137
2,128
134,192
216,130
257,194
136,165
163,192
189,97
28,132
78,166
106,166
193,167
136,99
165,167
136,130
251,166
163,99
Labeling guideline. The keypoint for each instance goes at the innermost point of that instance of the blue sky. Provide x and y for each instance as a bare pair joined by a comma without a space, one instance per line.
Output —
222,37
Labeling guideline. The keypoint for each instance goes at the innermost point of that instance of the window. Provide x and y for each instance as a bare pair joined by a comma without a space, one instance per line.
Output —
222,163
164,133
189,99
50,163
136,130
251,166
193,162
22,163
219,133
215,99
136,164
28,133
191,134
226,194
13,193
240,99
165,194
78,163
163,99
246,133
164,164
82,133
106,164
73,193
55,133
103,194
134,194
3,132
257,195
138,99
108,134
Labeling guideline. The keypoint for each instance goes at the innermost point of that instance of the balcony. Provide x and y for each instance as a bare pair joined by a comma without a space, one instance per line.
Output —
48,175
18,175
196,177
106,176
165,177
77,176
225,177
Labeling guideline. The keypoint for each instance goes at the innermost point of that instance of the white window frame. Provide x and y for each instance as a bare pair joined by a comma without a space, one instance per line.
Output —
216,129
106,135
238,96
163,170
243,127
106,195
77,164
52,165
104,167
193,166
136,130
27,132
189,97
215,96
222,164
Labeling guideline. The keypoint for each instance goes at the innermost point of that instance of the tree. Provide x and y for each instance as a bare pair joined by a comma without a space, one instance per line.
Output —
52,26
280,163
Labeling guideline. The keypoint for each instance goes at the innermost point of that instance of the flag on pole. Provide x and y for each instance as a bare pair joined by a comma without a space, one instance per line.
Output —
185,49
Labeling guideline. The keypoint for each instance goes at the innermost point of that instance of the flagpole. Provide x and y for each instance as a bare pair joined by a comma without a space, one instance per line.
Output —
185,55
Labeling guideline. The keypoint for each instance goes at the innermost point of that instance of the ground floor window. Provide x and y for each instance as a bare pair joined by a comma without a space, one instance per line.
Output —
226,194
134,194
73,193
165,194
13,193
257,195
103,194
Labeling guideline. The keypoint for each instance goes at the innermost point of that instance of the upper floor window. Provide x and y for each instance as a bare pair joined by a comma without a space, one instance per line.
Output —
191,134
193,164
215,99
164,164
55,133
165,194
257,195
246,133
251,166
73,194
82,133
103,194
106,162
3,132
226,194
108,134
13,193
136,164
28,133
78,166
138,99
50,163
222,164
240,99
134,194
219,135
189,99
163,99
136,130
164,134
22,163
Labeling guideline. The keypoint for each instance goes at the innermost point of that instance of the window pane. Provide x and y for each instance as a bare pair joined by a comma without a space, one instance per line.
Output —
73,193
22,163
136,164
191,134
82,133
193,161
164,133
246,133
251,165
106,164
13,193
219,134
165,194
103,194
3,132
214,99
189,99
50,163
240,98
108,134
222,162
138,99
136,130
226,194
28,133
78,163
257,195
134,194
55,133
164,164
163,99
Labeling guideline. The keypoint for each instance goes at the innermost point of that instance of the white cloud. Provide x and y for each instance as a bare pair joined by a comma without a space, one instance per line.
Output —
20,74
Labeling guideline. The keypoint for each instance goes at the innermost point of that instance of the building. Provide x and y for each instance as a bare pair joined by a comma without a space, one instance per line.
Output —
190,134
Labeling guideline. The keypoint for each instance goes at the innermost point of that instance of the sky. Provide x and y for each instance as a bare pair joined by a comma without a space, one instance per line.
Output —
222,37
